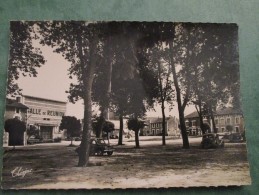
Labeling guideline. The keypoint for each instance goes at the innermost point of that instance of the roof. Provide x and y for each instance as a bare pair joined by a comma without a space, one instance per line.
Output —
15,104
224,111
192,115
48,99
156,119
227,111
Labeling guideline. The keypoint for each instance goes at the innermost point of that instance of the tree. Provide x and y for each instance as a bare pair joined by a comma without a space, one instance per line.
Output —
135,124
82,44
175,45
24,58
216,68
72,125
159,64
121,46
79,43
106,128
16,129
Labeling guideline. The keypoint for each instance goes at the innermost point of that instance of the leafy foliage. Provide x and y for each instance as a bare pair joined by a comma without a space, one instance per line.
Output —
16,129
24,58
72,125
107,127
135,124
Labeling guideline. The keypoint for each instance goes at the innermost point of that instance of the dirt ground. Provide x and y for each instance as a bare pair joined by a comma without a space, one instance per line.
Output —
53,166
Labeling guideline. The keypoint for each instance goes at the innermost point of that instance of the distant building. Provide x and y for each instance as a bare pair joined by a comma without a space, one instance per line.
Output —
226,120
45,114
154,126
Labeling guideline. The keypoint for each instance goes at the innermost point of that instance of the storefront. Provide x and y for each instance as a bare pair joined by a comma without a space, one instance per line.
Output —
46,115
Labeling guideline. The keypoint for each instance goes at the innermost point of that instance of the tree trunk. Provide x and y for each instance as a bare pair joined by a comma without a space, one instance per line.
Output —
163,124
137,138
100,125
179,101
88,76
106,100
213,120
121,130
84,150
162,97
203,130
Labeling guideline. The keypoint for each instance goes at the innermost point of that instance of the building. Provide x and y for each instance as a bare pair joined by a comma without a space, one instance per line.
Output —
154,126
192,123
45,114
226,120
229,119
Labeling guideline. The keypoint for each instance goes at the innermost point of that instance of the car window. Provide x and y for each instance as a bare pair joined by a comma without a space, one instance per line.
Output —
101,141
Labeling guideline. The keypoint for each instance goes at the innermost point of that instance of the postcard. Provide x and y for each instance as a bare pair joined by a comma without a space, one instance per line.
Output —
120,105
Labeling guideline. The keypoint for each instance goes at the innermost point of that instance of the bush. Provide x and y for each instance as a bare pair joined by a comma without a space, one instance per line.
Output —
57,139
16,129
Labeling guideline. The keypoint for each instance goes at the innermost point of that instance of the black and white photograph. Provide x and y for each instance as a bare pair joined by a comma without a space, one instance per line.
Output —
122,105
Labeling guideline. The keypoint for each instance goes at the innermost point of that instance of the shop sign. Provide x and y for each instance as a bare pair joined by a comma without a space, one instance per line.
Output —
38,111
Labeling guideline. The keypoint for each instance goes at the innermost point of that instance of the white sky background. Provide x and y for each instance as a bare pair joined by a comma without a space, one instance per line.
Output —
52,81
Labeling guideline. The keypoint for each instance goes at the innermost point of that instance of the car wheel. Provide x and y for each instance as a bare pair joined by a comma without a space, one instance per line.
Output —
206,144
100,153
110,153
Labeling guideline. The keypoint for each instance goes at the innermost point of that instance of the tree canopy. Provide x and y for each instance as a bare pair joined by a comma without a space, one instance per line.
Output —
24,57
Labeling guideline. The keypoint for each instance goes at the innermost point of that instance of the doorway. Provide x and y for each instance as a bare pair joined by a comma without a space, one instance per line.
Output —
46,132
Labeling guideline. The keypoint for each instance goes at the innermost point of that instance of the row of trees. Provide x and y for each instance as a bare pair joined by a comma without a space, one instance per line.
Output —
129,66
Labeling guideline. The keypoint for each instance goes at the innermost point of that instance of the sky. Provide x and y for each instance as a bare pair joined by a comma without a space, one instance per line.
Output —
52,81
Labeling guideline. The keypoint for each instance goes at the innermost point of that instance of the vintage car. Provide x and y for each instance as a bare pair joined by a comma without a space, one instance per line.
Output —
34,139
99,147
114,136
233,138
211,140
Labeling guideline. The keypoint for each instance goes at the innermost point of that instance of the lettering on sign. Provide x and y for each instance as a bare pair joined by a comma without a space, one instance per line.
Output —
55,113
37,111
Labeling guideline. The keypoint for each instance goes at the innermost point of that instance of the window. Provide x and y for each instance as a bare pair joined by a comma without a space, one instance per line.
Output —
17,110
237,120
222,121
237,129
216,121
187,123
228,121
222,129
193,123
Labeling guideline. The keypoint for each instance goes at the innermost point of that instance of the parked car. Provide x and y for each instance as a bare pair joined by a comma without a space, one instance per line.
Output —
233,138
99,147
211,140
78,139
114,137
34,139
